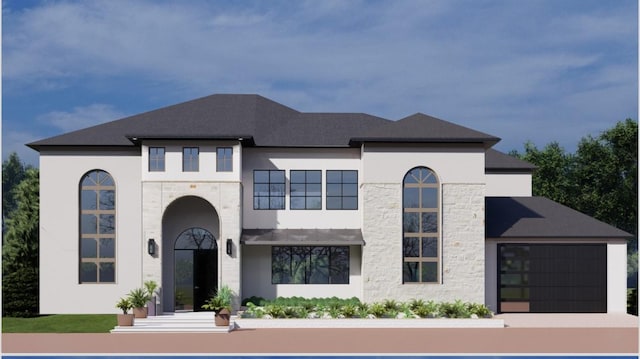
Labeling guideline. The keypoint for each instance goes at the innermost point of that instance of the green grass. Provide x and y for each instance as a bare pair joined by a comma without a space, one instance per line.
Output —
61,323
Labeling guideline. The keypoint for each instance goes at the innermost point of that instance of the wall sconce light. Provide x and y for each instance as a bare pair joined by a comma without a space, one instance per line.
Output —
229,246
151,247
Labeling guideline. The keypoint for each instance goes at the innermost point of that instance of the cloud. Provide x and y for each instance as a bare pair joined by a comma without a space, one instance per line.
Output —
481,64
81,117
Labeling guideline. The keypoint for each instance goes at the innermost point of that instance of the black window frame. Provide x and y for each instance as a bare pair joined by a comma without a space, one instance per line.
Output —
337,274
191,160
156,159
342,196
272,194
224,163
305,193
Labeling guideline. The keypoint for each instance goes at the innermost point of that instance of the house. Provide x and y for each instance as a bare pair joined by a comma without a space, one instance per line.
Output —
243,191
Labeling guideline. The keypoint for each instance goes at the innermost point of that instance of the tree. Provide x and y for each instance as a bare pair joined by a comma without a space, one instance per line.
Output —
12,173
20,250
552,178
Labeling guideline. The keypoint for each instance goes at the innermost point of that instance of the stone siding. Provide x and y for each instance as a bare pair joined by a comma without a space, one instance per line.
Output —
225,197
462,256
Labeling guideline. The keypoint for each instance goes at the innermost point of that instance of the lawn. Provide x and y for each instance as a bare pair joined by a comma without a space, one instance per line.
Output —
61,323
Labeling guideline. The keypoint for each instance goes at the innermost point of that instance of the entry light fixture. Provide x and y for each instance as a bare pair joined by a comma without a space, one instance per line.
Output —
151,247
229,246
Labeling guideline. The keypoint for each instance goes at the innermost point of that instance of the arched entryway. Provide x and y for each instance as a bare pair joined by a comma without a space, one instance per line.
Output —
190,230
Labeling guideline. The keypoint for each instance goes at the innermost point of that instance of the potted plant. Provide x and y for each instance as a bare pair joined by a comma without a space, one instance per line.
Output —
139,298
220,303
125,319
151,287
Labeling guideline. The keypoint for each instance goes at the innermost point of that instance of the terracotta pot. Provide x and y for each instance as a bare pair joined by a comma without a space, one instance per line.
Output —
222,318
140,312
125,320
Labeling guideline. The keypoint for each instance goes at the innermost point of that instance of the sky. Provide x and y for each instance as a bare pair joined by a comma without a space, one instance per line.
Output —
521,70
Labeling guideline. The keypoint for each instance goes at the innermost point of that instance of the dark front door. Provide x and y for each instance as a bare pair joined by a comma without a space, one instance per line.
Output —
196,269
548,278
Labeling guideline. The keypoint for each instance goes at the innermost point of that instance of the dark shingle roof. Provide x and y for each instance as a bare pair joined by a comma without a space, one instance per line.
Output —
540,217
498,162
423,128
260,121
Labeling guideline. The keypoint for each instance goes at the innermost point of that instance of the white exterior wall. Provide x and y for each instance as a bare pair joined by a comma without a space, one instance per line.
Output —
207,161
508,185
616,270
60,176
256,281
298,159
461,175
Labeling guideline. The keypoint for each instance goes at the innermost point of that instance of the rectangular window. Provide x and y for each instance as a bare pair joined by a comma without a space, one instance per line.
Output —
156,159
306,189
268,189
309,265
342,189
190,159
224,159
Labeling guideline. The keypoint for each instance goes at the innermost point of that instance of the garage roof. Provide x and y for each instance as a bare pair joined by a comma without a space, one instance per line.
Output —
301,237
540,217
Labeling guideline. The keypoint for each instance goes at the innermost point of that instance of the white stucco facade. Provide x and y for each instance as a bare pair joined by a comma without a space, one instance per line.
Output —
160,205
60,176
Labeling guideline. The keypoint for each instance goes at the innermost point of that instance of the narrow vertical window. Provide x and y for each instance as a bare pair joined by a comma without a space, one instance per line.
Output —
190,159
421,232
97,228
156,159
342,189
268,189
224,159
306,189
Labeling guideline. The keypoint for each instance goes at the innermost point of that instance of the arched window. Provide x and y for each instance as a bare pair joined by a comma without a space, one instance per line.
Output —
421,232
97,228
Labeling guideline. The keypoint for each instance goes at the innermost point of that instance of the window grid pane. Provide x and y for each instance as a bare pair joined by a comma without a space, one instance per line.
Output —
342,189
421,241
156,159
190,159
268,189
305,189
224,159
309,265
97,252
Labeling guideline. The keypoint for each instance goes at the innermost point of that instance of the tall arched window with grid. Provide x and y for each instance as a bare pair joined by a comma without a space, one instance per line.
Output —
97,228
421,226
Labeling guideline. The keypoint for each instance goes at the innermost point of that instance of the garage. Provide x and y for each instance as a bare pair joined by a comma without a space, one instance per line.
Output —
543,257
551,278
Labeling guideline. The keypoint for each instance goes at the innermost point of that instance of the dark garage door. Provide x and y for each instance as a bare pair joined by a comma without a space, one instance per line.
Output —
549,278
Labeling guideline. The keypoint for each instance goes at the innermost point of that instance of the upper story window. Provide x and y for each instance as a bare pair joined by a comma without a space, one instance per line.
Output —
421,237
97,228
342,189
156,159
268,189
224,159
190,159
306,189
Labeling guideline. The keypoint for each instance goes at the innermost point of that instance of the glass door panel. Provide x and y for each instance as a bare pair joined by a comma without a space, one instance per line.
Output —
184,264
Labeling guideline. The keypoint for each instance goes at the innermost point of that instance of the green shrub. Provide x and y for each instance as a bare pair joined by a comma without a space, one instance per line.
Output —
416,303
275,311
457,309
349,310
391,305
20,293
479,309
377,309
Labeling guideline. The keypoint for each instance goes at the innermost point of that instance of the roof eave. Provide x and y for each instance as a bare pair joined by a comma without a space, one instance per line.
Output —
487,141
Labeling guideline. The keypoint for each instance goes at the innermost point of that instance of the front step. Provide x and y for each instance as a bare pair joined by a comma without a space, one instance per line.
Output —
199,322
